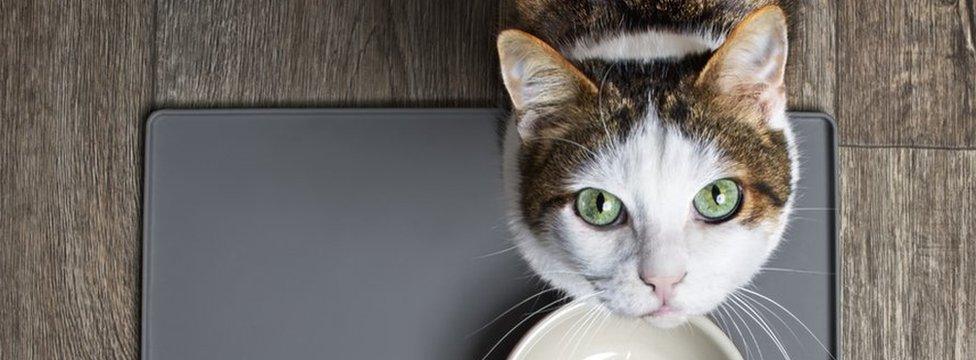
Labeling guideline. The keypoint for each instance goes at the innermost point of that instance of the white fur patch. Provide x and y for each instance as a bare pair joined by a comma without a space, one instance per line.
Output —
647,45
656,173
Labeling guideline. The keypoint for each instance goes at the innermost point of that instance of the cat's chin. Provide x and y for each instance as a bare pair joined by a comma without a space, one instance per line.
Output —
666,321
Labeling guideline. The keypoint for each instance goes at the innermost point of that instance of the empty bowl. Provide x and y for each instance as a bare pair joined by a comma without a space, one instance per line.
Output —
582,331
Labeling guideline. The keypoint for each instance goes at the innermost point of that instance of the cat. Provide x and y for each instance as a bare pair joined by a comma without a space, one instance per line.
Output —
648,161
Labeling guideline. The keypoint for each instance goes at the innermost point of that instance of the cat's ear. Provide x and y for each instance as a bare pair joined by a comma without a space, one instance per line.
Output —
748,69
536,75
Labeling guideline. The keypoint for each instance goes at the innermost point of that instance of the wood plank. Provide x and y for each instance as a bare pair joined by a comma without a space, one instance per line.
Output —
909,261
811,68
335,53
907,72
74,89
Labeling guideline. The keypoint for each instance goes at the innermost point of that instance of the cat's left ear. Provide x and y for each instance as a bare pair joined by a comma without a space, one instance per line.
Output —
538,77
747,71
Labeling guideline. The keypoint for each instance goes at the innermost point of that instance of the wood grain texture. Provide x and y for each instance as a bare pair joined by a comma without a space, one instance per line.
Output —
907,73
334,53
810,70
74,94
909,260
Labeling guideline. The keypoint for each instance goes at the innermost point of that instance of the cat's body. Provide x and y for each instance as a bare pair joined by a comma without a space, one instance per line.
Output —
645,104
563,24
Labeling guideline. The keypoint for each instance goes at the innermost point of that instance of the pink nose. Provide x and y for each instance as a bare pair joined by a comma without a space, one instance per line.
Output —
663,286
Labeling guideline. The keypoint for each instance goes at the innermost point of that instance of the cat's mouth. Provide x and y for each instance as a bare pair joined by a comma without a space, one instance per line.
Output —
666,317
664,310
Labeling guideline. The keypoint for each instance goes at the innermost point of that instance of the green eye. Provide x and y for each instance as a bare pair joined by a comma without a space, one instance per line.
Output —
719,200
598,207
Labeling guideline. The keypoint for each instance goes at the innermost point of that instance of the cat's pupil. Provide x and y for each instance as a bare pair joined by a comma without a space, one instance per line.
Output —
717,195
600,200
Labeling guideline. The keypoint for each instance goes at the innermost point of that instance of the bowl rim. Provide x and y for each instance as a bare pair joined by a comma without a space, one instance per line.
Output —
704,324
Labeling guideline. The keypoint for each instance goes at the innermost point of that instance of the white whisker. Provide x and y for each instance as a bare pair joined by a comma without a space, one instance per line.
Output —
599,103
520,303
591,317
811,272
544,334
748,328
499,252
539,274
763,325
720,319
790,313
530,316
771,312
593,154
573,328
737,330
598,324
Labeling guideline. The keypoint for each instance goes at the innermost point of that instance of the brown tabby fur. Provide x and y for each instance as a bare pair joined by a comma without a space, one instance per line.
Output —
683,98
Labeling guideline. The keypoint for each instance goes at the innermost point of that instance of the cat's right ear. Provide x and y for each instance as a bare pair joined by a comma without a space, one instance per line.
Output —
537,76
748,70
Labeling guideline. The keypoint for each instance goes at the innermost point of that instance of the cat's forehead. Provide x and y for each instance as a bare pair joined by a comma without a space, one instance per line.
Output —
641,81
655,165
655,169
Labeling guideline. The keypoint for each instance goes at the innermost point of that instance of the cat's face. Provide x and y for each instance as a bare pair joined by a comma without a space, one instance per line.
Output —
657,201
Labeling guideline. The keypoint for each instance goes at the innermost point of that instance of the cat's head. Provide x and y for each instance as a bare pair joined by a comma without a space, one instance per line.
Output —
656,191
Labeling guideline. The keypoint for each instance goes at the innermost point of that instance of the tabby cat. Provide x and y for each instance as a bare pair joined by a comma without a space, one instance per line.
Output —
649,163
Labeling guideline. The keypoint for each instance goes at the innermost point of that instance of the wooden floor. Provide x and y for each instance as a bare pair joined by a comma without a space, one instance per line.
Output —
77,80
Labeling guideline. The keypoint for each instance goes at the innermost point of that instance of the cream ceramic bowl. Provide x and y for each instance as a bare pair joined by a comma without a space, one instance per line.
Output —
567,335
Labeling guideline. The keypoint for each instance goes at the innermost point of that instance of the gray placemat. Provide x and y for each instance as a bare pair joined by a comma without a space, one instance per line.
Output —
378,234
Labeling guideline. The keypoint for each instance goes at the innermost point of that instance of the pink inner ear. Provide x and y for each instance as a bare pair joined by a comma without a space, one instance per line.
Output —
759,59
750,66
754,54
772,63
536,74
